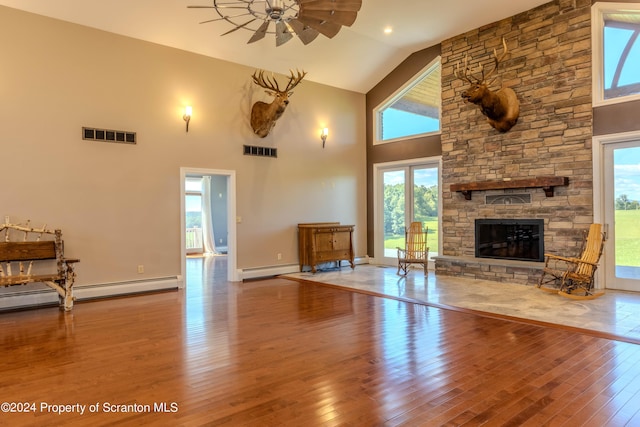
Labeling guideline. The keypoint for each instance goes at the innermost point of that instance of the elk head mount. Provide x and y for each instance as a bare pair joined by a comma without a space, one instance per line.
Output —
263,115
501,107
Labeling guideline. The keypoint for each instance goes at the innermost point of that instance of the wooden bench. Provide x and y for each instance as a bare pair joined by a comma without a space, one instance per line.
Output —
17,260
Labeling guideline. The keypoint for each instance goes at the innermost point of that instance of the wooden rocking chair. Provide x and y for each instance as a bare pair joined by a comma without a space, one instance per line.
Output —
415,251
573,277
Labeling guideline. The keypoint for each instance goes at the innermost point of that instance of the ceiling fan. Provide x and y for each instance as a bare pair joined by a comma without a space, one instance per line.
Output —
304,18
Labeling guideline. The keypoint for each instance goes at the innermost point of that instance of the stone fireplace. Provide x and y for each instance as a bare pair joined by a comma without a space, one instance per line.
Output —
549,68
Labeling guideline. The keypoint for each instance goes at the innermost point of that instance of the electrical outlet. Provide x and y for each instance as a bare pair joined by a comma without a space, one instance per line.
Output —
140,269
279,256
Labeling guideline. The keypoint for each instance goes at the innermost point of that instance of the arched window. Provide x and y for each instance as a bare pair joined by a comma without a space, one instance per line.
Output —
616,53
413,110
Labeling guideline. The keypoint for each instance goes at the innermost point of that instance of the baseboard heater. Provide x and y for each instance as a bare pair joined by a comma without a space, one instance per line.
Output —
276,270
47,297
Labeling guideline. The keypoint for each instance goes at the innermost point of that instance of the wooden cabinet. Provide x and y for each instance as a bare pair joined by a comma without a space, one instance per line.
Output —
322,242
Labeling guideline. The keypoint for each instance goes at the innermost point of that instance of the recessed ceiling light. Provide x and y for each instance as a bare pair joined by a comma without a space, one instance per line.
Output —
388,30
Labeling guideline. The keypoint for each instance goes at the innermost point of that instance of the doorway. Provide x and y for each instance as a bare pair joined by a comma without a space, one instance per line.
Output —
618,207
193,202
206,214
405,192
202,237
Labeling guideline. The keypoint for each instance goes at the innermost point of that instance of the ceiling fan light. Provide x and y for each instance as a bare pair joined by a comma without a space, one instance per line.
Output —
274,9
274,13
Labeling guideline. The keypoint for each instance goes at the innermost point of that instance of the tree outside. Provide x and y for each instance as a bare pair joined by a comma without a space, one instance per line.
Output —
425,211
624,204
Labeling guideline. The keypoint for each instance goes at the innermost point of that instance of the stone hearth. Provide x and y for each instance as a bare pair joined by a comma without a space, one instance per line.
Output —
497,270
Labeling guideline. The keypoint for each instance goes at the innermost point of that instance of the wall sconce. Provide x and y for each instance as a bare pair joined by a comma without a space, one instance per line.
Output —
323,135
187,115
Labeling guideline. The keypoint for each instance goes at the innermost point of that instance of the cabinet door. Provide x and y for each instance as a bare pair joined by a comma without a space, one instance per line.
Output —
341,241
324,241
324,246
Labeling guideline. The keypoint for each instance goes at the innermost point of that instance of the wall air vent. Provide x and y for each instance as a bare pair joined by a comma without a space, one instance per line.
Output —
509,199
252,150
108,135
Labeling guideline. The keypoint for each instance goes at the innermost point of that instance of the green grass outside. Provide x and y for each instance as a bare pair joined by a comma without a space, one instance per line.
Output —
628,238
392,241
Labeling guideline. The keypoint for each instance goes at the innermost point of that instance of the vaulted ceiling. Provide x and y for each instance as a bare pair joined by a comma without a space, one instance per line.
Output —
357,58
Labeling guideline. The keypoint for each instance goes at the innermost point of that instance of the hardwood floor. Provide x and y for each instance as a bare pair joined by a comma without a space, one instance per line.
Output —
281,353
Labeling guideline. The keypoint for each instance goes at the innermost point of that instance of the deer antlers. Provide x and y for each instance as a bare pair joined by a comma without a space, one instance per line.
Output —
271,83
263,115
501,107
466,75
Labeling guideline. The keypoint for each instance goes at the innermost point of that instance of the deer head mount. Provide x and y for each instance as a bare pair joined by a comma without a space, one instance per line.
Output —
501,107
263,115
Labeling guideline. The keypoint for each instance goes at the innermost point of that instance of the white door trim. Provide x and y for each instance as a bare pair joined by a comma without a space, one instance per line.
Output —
232,270
378,237
607,267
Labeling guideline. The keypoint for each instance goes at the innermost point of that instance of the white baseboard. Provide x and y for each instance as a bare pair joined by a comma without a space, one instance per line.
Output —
34,298
123,288
28,299
269,271
276,270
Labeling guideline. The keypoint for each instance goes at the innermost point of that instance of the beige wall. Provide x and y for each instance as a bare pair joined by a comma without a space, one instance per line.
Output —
118,205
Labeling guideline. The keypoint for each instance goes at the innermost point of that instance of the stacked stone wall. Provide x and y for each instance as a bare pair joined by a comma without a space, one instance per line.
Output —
549,67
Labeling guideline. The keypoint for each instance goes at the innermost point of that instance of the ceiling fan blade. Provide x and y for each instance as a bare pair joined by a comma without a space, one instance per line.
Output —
345,5
304,33
283,34
226,18
220,5
213,20
216,7
304,18
238,27
340,18
325,28
260,32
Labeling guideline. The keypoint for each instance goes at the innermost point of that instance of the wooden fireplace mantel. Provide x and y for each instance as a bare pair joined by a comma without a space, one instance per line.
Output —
547,183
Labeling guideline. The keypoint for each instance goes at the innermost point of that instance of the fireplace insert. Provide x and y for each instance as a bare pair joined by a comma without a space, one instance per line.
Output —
518,239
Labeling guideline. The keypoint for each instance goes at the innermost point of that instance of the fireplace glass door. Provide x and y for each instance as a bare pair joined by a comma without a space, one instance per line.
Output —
622,214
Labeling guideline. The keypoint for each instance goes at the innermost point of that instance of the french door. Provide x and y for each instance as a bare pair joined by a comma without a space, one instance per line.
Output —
621,200
405,192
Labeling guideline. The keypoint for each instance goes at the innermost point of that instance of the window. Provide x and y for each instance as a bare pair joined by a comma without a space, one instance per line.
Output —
412,111
616,52
193,205
193,215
